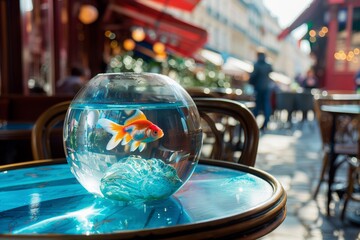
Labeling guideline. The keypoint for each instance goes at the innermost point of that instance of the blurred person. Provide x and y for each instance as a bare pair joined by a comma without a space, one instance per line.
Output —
310,80
299,78
262,83
72,84
357,82
37,89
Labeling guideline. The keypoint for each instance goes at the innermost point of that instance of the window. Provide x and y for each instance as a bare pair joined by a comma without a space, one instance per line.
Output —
354,50
41,21
347,53
36,42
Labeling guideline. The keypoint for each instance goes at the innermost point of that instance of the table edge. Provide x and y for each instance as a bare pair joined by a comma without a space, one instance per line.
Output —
325,108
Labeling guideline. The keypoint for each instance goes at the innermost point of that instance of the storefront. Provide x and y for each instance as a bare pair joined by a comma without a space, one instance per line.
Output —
42,39
334,38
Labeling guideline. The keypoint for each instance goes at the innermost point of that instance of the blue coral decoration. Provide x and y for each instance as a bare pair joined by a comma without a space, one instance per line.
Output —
136,179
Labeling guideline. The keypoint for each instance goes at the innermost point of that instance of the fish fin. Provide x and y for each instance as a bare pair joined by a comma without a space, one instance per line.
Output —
142,146
126,148
127,138
138,115
134,145
109,126
129,112
114,129
113,142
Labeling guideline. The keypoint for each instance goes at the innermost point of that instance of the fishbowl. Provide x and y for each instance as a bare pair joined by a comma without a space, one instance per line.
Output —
132,136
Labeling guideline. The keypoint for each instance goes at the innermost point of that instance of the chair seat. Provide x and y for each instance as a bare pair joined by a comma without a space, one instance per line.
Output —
353,183
350,149
346,149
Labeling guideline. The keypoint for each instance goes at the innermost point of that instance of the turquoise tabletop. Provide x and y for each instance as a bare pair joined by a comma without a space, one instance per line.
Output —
16,126
48,199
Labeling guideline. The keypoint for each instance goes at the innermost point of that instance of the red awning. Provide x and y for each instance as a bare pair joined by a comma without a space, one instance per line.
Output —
186,5
308,14
179,37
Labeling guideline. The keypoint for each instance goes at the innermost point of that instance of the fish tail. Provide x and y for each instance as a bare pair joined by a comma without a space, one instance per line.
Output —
117,131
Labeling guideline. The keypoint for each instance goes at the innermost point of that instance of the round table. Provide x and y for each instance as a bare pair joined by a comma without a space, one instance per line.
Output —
42,199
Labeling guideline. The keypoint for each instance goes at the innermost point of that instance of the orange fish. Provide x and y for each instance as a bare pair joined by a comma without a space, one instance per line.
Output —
136,131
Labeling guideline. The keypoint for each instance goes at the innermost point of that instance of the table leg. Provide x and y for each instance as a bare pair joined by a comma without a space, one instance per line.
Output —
332,159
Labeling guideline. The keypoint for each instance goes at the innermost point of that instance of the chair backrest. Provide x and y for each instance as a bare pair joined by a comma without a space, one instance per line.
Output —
304,101
201,92
285,101
230,131
47,132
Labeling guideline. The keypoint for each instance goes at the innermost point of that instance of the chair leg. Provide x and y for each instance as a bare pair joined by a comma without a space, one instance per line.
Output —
324,166
353,171
349,190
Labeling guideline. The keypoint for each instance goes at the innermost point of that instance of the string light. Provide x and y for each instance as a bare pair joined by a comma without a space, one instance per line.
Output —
138,34
129,44
312,33
88,14
161,56
159,47
107,33
114,44
324,29
312,39
350,56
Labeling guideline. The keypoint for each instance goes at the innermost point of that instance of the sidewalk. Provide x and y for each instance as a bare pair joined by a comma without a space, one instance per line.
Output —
294,156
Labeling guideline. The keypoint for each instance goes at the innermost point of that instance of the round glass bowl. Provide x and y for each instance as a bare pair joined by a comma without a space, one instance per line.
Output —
132,136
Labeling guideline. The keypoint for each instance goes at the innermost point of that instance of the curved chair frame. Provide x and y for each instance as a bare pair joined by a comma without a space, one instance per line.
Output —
248,128
325,123
41,132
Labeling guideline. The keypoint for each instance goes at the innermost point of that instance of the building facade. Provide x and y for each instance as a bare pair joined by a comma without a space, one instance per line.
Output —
334,36
42,39
238,28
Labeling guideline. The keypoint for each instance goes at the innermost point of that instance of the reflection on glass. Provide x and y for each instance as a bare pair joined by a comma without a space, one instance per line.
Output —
347,54
94,216
354,53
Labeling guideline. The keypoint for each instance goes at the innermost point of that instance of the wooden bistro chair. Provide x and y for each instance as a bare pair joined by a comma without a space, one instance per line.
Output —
46,136
201,92
342,147
353,176
230,131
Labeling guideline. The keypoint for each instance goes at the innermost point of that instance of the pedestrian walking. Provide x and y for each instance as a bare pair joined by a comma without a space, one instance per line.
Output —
262,83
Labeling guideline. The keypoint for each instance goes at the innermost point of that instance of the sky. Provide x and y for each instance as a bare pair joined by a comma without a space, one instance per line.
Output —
287,11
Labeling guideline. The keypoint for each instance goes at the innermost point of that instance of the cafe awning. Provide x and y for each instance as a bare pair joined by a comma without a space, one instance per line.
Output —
179,37
234,66
211,56
280,78
186,5
311,14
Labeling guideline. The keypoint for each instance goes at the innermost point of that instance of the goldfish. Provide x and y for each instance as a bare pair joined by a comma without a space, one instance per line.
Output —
136,132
